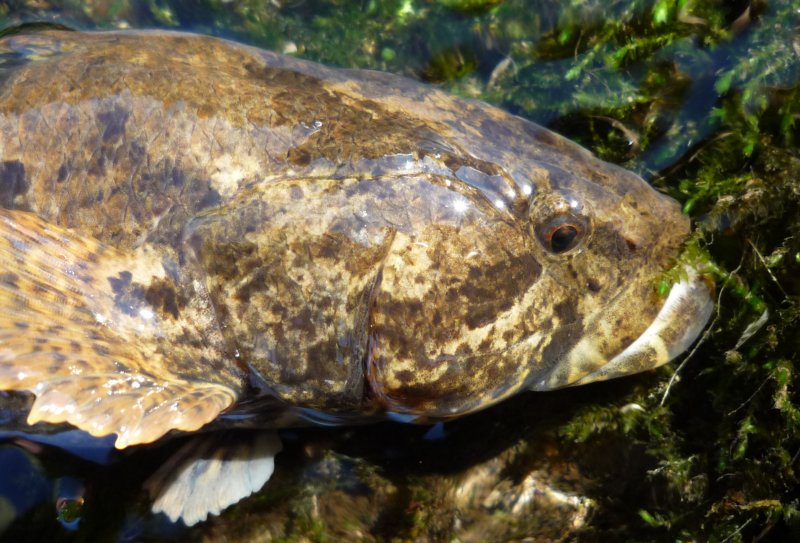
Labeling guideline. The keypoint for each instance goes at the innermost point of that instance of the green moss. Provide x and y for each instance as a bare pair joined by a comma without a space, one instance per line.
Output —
470,6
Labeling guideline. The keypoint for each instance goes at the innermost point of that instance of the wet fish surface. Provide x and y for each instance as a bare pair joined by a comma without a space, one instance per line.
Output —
191,227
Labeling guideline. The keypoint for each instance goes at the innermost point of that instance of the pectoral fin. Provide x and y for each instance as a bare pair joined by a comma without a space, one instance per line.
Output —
98,358
212,472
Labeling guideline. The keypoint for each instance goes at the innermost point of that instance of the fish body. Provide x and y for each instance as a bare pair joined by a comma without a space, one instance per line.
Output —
190,224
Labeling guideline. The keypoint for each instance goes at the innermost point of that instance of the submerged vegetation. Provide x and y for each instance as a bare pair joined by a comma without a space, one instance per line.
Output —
702,97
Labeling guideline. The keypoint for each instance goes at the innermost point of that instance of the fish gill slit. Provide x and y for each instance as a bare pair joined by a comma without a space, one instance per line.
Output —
368,391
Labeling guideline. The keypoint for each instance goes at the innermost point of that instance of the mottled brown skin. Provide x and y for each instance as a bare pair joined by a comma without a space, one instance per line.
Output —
347,241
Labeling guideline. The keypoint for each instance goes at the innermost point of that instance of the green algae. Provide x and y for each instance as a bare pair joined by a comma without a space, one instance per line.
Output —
702,97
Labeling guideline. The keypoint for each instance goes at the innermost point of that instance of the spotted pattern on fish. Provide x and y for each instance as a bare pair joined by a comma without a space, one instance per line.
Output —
231,223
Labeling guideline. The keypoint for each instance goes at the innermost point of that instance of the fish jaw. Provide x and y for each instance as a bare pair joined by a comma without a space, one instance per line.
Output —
678,323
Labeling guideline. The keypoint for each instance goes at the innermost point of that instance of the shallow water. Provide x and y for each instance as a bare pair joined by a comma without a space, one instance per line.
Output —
699,97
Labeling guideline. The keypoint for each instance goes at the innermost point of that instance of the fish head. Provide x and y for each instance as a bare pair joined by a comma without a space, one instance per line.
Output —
551,281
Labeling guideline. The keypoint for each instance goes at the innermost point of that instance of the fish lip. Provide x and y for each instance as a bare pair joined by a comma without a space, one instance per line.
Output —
679,322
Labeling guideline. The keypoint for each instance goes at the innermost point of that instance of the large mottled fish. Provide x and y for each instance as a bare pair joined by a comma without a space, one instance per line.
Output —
191,227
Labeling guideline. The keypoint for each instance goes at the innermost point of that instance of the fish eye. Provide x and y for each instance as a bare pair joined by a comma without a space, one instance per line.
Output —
562,233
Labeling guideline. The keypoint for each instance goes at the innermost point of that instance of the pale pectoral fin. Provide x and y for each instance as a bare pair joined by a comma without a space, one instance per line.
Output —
94,356
211,472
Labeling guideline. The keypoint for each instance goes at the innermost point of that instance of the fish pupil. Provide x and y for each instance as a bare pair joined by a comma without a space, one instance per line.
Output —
563,238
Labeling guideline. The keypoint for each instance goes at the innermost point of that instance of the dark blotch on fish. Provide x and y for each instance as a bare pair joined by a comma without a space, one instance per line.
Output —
12,182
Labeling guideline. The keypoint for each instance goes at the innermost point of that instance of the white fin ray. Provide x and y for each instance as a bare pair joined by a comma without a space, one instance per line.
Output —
212,472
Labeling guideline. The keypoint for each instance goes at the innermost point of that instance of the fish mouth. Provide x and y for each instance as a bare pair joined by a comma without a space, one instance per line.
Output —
679,322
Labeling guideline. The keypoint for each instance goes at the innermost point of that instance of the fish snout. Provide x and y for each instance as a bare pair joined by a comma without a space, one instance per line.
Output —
676,325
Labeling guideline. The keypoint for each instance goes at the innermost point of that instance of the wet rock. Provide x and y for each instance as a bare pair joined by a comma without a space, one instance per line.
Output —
524,493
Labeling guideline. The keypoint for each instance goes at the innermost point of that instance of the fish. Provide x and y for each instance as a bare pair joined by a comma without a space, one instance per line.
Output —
196,233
